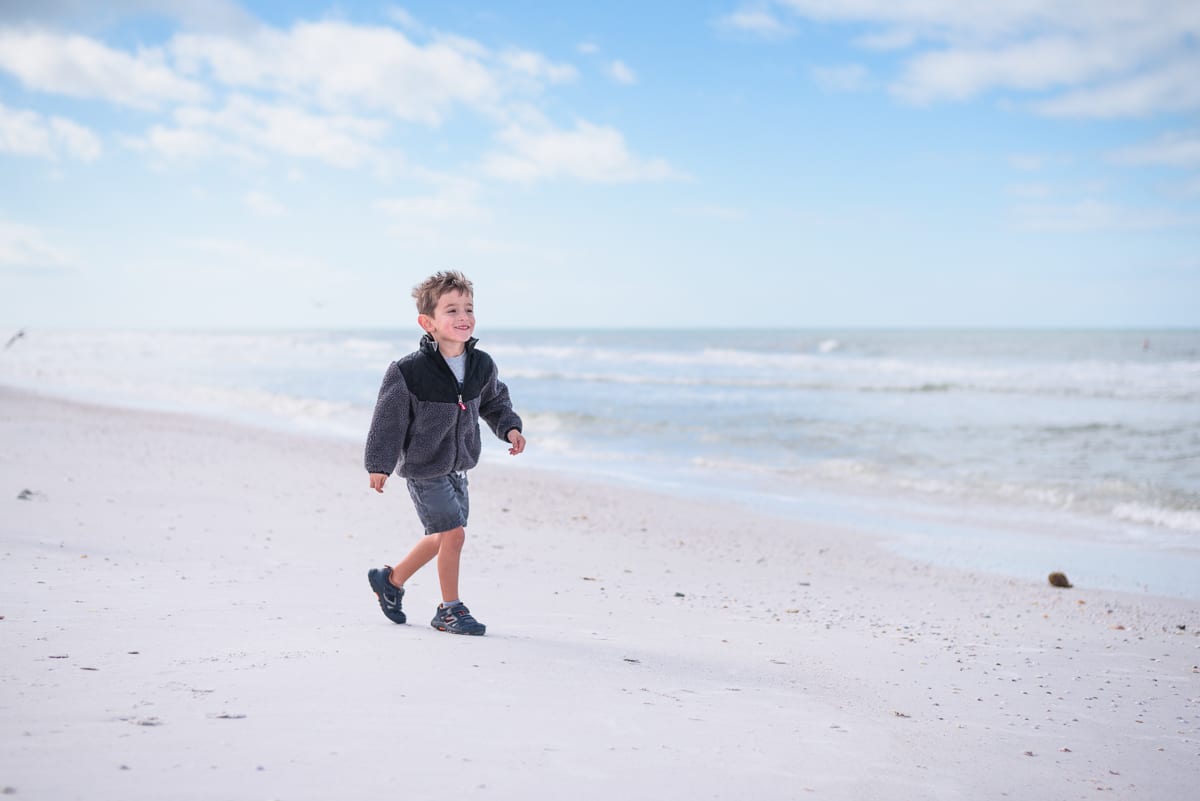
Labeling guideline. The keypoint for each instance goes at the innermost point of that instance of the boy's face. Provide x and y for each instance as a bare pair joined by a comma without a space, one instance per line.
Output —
453,319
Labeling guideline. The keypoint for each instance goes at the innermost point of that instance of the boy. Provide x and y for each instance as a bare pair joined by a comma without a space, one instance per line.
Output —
426,429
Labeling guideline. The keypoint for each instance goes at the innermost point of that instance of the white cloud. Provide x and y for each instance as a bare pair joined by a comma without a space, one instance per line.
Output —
453,201
1171,149
28,133
263,204
78,141
1043,63
1086,59
845,78
407,21
621,73
1027,162
1031,190
714,212
588,48
237,257
344,67
223,14
980,20
535,65
1172,88
248,129
81,67
24,133
590,153
895,39
26,246
757,21
1097,216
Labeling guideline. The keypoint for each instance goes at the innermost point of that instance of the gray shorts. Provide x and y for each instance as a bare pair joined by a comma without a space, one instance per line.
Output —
441,502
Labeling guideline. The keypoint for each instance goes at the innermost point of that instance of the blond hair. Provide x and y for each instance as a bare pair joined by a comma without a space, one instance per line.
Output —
430,291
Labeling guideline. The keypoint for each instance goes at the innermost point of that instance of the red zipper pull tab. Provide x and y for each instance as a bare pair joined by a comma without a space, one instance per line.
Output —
461,405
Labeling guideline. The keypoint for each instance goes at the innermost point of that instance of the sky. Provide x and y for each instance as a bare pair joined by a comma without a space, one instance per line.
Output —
713,163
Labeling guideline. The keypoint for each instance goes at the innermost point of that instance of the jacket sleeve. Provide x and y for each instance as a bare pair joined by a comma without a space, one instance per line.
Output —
389,424
496,408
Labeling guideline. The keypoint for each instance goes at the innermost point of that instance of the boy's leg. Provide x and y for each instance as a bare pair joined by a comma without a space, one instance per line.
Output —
449,553
417,558
447,547
443,504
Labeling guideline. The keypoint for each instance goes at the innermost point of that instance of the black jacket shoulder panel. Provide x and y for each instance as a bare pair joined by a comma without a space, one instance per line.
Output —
429,378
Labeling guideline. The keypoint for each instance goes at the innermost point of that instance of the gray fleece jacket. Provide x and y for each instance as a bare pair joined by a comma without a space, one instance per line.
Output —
425,425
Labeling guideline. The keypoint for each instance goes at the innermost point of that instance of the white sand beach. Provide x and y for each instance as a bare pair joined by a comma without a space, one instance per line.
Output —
185,615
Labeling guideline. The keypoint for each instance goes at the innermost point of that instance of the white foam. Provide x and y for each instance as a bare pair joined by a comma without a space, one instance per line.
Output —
1178,519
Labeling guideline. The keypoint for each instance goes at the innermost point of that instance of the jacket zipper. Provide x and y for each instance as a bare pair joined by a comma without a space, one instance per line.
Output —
462,406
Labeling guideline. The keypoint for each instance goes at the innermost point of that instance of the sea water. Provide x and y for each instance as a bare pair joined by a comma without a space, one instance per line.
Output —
1014,451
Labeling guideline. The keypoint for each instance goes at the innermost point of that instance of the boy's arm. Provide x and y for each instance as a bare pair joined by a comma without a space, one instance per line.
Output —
389,425
496,409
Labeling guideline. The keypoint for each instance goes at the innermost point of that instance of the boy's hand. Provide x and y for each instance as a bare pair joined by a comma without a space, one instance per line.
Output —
378,480
517,440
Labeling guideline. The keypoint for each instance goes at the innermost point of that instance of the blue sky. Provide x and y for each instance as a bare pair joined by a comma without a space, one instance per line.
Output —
801,163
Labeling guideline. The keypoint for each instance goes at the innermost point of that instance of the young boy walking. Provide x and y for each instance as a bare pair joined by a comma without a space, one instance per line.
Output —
426,429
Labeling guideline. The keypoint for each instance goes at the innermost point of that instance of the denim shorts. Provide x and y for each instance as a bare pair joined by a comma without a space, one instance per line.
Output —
441,502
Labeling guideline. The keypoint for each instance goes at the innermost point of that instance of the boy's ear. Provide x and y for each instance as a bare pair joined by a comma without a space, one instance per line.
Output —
425,321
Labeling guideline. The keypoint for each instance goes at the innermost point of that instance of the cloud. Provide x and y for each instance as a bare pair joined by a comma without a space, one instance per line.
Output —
1044,63
1172,88
1173,149
845,78
621,73
343,67
588,48
249,129
328,91
1093,215
28,133
263,204
77,66
1134,58
407,21
590,153
429,217
713,212
222,14
1031,190
25,246
535,65
232,257
757,21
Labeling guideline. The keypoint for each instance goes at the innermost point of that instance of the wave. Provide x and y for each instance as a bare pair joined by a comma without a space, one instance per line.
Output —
1132,388
828,365
1179,519
1177,513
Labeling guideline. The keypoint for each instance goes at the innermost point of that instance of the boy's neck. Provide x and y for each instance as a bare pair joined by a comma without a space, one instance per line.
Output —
450,349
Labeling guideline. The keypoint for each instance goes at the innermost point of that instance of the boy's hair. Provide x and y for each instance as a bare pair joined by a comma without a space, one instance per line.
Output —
430,291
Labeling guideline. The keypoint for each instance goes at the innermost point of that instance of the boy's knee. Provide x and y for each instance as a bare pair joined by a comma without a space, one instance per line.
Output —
455,537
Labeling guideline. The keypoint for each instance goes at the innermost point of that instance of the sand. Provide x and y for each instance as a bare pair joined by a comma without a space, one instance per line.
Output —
186,615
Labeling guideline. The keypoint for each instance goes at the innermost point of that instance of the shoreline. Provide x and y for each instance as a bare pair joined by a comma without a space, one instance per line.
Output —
974,535
186,615
1078,440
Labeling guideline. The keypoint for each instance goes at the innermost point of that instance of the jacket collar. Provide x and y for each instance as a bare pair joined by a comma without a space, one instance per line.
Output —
429,344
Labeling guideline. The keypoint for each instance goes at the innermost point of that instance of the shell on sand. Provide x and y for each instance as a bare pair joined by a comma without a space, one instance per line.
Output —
1059,580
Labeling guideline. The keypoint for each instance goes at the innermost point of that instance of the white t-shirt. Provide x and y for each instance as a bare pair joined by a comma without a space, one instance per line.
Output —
458,366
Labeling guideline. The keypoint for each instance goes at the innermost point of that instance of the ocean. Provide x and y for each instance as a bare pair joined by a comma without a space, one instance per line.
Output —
1011,451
